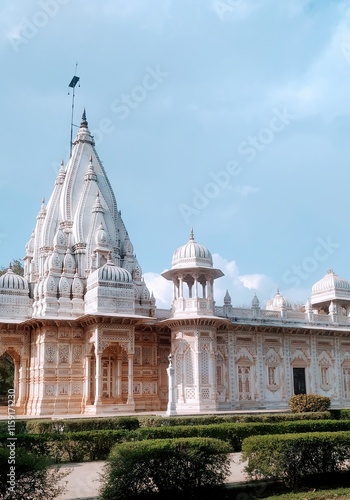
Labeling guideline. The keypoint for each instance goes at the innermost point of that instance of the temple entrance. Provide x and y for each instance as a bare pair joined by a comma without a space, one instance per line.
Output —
299,381
7,371
113,376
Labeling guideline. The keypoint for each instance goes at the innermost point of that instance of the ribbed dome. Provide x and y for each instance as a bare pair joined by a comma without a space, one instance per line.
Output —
12,281
110,272
192,254
330,282
278,302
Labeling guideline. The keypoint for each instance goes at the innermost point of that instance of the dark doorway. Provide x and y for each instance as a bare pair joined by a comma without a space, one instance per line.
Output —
299,380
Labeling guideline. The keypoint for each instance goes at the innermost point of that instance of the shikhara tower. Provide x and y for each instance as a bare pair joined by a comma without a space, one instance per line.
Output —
86,337
80,243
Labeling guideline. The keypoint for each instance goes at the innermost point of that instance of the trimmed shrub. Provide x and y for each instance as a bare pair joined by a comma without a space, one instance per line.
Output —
293,457
20,426
82,424
91,445
163,467
33,478
235,433
155,421
302,403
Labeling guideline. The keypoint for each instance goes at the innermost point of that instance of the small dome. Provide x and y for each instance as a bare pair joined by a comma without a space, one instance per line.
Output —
110,272
227,299
12,281
128,248
101,237
69,264
192,254
60,239
255,301
30,244
278,302
330,282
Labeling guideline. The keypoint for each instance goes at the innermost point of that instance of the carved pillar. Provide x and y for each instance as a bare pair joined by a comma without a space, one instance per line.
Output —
195,285
338,372
171,408
98,379
87,379
313,365
287,388
119,378
260,366
21,383
130,379
181,287
16,380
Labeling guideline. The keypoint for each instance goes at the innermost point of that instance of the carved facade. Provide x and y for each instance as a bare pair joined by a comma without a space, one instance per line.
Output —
86,337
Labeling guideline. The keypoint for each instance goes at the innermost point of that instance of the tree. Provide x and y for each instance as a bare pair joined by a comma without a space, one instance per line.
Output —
26,475
6,373
17,267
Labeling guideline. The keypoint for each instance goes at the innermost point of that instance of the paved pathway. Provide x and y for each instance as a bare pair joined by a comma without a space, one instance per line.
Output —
83,481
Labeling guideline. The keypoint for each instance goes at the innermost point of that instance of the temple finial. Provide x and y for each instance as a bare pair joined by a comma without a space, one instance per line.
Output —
191,234
84,122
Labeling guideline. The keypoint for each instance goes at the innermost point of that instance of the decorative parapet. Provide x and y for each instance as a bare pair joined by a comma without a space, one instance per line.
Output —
246,315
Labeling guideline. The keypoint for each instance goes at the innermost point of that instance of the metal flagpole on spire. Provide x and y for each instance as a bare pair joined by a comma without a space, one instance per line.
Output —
72,85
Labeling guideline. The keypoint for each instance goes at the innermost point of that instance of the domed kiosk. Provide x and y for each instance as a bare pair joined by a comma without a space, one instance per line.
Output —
193,275
331,294
14,296
193,326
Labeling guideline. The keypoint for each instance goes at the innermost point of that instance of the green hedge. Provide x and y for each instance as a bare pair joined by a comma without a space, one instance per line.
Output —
292,458
71,446
95,445
165,467
235,433
81,424
54,426
156,421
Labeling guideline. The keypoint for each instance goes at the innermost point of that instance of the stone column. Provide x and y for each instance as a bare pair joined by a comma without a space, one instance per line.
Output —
21,382
171,408
87,379
130,378
196,285
119,378
98,379
16,381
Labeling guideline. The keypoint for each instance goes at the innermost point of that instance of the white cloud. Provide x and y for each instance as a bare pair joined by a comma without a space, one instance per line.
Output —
161,288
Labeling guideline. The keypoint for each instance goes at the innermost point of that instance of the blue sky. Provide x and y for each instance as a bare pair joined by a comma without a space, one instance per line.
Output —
231,116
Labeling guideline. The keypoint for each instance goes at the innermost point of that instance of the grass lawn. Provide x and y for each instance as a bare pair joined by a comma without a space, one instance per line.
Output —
336,494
